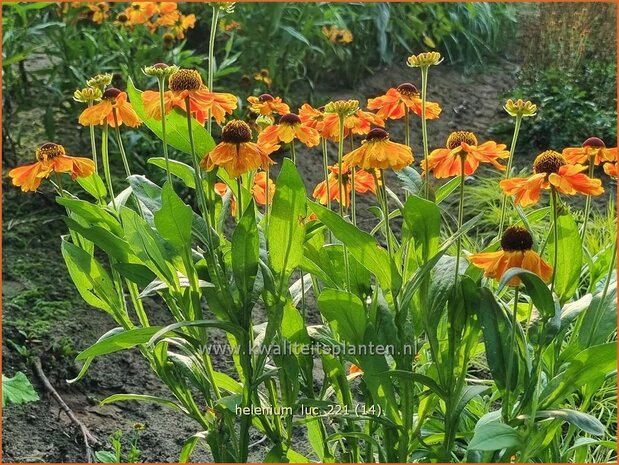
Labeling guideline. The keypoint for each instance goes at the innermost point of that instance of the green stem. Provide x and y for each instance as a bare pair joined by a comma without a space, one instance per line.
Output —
211,59
105,156
460,217
353,193
407,129
508,172
119,140
424,129
161,82
506,404
325,166
587,202
239,188
385,205
340,154
293,152
93,143
555,230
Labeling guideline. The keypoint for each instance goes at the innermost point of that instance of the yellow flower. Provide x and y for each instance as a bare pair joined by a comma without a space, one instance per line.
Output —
336,35
520,108
425,59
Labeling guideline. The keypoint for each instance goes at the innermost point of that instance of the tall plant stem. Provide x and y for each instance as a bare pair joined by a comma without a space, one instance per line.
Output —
105,157
293,152
197,173
93,144
508,172
325,165
161,82
407,128
121,147
340,154
239,188
583,232
353,193
555,231
460,217
506,408
267,204
424,129
385,206
211,59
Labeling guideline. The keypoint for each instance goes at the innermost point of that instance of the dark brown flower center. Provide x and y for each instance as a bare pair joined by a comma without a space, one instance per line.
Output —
168,37
455,139
548,162
160,66
122,18
290,118
516,238
185,79
266,98
111,92
236,132
48,151
407,89
377,133
594,142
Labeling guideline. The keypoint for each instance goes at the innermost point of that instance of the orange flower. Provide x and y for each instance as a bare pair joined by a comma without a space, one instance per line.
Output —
289,128
50,157
354,369
447,162
312,117
516,245
551,170
258,191
187,83
393,104
100,11
593,149
236,153
611,169
360,122
266,104
378,152
113,108
326,192
140,12
182,24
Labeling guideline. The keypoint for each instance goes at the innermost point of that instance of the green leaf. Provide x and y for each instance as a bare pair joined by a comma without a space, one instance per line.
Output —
587,423
93,184
179,169
590,366
141,398
286,231
277,455
90,278
569,259
93,214
536,288
119,341
103,238
176,126
174,219
17,390
189,446
346,314
223,325
443,192
496,328
103,456
495,436
599,321
423,218
410,179
363,247
245,252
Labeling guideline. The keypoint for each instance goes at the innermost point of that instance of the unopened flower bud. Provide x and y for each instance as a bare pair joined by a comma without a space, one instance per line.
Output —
160,70
100,81
87,94
521,108
342,108
423,60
